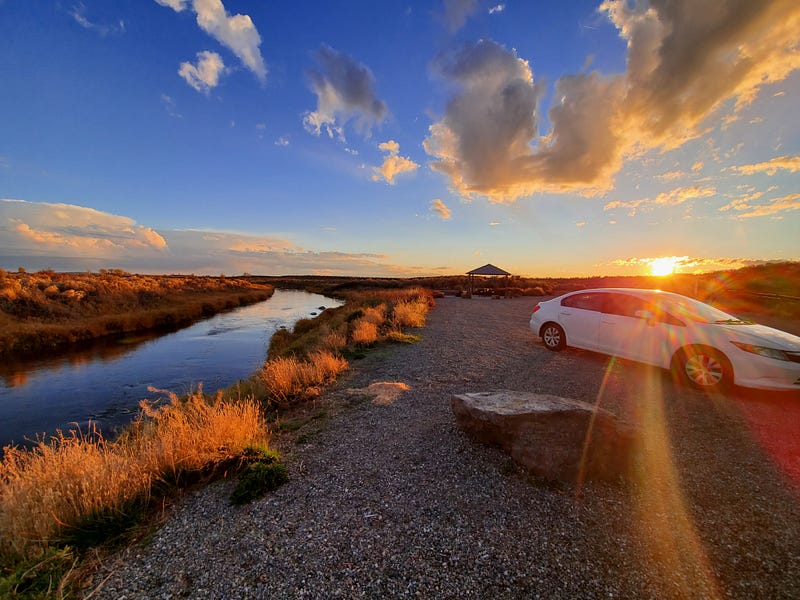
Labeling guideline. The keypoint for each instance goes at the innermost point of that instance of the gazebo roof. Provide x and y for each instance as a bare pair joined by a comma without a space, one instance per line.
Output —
488,269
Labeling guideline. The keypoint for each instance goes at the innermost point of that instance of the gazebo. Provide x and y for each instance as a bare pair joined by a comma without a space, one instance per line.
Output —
487,269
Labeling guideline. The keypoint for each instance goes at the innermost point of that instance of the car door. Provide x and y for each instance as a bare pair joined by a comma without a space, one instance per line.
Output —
579,315
631,327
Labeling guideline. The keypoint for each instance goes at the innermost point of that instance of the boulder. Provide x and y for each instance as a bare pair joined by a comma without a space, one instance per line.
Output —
553,437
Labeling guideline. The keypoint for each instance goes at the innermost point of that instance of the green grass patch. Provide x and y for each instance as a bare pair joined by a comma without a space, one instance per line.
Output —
259,478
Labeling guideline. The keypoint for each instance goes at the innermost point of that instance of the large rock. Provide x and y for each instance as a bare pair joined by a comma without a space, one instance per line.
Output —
556,438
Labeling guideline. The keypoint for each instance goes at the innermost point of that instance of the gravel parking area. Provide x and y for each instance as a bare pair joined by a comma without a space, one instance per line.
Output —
393,501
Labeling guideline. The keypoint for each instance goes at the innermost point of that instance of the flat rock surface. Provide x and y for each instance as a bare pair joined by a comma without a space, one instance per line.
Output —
394,501
510,402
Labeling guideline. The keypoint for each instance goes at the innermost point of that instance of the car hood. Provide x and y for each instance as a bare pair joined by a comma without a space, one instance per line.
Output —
761,335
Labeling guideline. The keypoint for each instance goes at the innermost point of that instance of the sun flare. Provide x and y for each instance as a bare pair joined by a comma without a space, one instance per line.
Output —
661,267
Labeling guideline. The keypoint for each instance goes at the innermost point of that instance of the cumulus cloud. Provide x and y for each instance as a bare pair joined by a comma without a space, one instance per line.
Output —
770,167
673,197
456,13
39,228
497,9
205,75
393,164
235,32
685,61
440,208
344,89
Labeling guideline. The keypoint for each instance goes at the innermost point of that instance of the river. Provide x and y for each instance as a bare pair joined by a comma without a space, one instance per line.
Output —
105,381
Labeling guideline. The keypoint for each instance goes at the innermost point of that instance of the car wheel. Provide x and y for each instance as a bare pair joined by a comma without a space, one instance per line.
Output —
553,337
705,368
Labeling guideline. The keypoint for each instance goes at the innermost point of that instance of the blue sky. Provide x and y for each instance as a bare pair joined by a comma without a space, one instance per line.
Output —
398,138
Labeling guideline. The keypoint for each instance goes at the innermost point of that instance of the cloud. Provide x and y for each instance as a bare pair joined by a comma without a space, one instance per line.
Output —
393,163
204,76
344,89
237,32
78,12
684,64
66,237
780,163
746,208
673,197
282,141
440,208
456,13
169,105
176,5
497,9
38,228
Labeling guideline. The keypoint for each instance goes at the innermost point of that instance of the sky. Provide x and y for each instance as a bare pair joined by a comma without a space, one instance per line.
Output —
399,139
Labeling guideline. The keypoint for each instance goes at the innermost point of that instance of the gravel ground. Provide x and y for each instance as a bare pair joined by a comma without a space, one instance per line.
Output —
393,501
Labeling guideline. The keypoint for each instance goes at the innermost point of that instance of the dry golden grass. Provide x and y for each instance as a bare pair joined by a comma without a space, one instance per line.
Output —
334,340
364,333
290,379
375,314
410,313
60,484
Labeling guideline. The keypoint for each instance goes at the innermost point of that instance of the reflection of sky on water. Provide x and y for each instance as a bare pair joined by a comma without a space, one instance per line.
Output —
106,381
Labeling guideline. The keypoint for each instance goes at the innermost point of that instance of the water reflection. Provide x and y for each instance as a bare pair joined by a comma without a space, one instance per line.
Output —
105,381
14,373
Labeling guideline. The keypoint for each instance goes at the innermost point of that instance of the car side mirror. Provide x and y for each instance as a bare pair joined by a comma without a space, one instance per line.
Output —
648,316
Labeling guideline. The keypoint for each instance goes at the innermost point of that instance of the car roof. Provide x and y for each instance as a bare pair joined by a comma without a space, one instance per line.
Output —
642,293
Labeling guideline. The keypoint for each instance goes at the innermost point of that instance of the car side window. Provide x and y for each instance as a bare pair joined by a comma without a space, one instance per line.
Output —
584,301
624,305
664,317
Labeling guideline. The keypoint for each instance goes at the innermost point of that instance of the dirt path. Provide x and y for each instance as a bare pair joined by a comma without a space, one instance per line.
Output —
392,500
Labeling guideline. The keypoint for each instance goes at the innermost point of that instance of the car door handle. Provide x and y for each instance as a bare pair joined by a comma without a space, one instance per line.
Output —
566,313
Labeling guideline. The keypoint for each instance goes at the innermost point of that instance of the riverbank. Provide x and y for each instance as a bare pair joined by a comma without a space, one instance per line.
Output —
45,311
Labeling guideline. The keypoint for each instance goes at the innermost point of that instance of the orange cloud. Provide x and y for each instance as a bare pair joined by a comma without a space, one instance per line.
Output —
746,210
440,208
683,64
39,227
780,163
393,164
673,197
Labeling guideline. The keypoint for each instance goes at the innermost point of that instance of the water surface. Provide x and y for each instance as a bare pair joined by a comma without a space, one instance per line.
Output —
105,381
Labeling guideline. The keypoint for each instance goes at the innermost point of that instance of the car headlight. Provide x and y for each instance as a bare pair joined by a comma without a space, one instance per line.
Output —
763,351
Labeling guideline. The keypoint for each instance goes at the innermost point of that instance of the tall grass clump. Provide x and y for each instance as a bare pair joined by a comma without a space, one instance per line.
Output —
81,485
290,379
364,333
410,313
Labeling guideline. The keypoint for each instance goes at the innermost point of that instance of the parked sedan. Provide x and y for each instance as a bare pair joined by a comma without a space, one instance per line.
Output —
703,345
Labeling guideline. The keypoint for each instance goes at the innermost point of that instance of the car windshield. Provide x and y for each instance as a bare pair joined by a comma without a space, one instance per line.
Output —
686,308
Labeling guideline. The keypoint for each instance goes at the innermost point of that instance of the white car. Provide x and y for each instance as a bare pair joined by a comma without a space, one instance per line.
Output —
703,345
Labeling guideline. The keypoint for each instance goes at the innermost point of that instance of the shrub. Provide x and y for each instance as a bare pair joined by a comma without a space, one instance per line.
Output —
258,478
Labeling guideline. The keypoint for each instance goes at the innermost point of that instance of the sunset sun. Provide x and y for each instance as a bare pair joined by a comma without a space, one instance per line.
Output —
661,267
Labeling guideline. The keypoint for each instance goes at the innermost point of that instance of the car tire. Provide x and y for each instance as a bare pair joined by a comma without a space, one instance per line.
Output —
553,337
705,368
